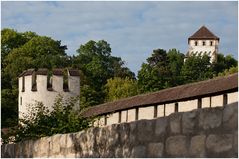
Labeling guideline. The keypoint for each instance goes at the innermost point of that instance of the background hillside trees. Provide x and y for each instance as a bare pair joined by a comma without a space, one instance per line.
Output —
117,88
97,64
162,70
103,77
167,69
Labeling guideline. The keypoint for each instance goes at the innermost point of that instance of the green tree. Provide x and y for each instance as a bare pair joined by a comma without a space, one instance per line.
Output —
196,68
117,88
97,65
40,121
154,73
176,61
229,71
222,63
22,51
162,70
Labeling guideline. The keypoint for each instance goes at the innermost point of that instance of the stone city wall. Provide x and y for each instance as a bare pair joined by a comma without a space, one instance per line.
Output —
207,132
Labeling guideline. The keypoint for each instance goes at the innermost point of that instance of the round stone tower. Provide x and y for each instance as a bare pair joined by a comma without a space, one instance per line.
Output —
39,86
203,42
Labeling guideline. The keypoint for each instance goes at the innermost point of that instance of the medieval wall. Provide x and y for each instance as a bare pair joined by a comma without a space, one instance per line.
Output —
150,112
207,132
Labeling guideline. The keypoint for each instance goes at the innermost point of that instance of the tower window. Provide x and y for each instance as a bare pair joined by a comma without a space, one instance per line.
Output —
203,43
196,43
211,43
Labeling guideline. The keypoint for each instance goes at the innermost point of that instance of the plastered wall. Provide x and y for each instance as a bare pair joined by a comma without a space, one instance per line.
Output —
166,109
27,97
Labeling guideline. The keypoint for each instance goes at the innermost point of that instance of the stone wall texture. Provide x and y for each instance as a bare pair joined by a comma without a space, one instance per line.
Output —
207,132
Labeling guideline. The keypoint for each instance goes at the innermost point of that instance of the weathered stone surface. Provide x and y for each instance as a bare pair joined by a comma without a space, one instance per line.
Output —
36,148
155,150
56,147
26,149
175,123
189,122
69,141
92,139
210,118
219,144
44,146
197,146
124,132
8,151
126,151
145,127
133,132
161,126
230,117
106,137
138,151
235,143
176,146
118,152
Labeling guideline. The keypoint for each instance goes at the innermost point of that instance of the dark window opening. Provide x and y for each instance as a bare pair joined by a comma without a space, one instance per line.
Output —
34,82
203,43
211,43
23,83
49,81
65,81
196,43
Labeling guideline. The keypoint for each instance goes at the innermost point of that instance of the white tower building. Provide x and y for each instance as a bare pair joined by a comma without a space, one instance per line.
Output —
203,42
38,86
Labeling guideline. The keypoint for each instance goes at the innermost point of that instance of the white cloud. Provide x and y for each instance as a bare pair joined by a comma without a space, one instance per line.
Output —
133,29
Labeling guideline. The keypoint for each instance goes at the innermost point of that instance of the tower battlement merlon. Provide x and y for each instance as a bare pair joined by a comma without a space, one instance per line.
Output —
45,85
45,80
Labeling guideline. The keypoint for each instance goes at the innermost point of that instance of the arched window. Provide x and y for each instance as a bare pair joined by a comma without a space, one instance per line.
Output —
203,43
211,42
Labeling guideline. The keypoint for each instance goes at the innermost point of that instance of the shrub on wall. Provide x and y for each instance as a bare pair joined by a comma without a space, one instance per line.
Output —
40,121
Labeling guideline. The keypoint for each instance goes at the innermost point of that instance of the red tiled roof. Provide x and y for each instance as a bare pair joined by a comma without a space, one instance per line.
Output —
203,33
214,86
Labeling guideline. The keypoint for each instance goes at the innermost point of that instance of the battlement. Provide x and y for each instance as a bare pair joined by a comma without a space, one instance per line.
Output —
58,80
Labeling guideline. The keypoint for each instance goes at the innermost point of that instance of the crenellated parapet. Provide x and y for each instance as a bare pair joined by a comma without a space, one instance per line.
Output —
45,85
55,80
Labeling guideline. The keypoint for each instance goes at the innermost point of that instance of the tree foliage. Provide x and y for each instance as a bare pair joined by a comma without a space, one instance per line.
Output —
162,70
41,121
196,68
117,88
167,69
229,71
97,65
21,51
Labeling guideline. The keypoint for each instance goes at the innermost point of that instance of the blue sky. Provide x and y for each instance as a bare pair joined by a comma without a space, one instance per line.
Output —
133,29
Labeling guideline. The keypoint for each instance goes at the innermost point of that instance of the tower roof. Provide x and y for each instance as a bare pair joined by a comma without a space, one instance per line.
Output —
203,33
